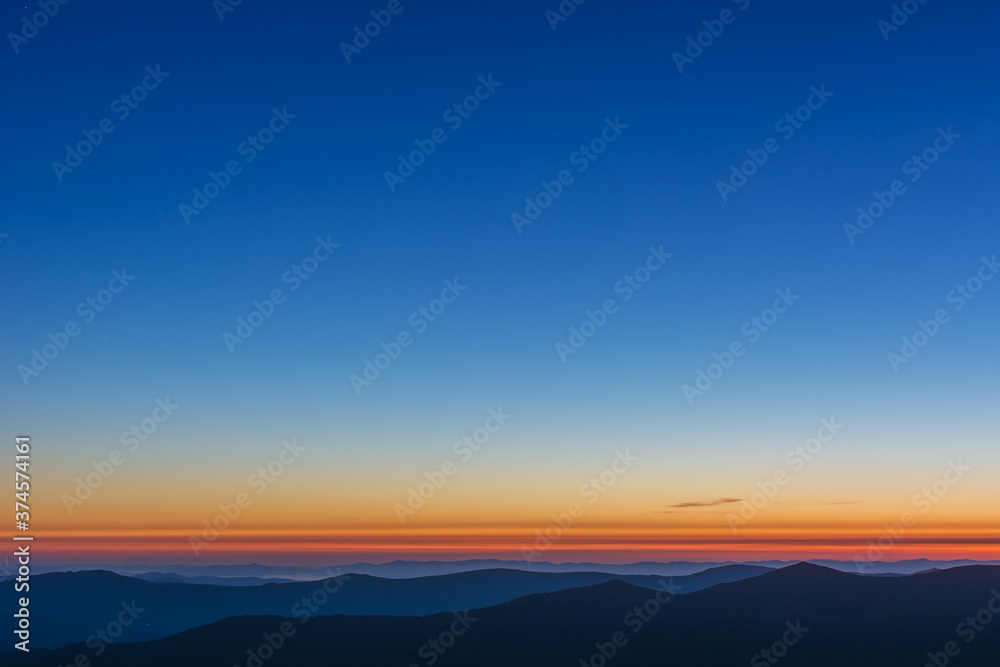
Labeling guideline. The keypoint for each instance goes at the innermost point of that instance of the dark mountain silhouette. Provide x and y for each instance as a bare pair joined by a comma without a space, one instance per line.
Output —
68,607
834,618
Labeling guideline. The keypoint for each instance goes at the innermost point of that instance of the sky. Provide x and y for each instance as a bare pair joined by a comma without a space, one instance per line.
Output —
598,280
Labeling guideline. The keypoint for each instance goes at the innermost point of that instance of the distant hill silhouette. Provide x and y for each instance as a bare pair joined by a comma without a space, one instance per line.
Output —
402,569
842,619
168,577
68,607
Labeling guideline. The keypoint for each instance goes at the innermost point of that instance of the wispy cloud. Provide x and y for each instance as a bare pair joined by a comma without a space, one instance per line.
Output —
707,503
724,501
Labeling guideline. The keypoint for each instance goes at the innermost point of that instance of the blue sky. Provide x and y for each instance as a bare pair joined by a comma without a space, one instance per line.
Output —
323,175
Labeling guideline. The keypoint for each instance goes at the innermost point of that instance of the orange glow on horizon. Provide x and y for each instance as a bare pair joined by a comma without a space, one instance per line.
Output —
279,546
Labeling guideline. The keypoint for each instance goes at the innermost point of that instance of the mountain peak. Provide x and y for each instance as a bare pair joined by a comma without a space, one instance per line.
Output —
810,571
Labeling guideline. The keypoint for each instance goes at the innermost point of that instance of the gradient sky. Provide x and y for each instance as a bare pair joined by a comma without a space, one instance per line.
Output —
495,346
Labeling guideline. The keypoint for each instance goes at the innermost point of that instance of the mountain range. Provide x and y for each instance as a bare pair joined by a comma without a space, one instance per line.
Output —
799,615
70,606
